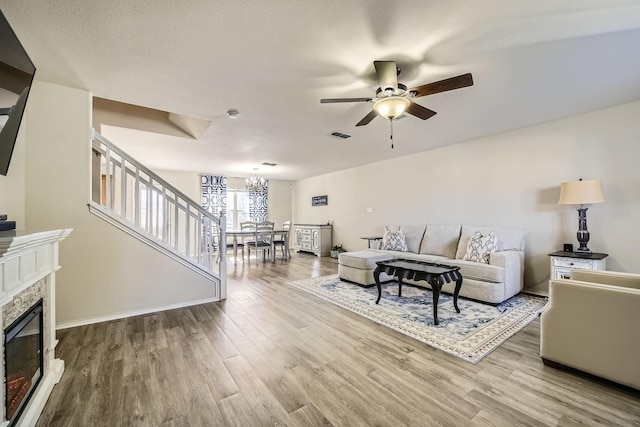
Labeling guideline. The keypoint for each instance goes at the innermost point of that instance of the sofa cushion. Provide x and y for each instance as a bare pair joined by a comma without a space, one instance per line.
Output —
393,239
509,239
477,271
440,240
365,260
480,247
413,234
414,256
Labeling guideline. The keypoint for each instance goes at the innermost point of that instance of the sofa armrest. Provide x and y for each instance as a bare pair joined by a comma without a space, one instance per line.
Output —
513,264
626,280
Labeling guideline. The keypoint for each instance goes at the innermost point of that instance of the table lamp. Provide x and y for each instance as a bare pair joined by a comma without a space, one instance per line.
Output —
581,193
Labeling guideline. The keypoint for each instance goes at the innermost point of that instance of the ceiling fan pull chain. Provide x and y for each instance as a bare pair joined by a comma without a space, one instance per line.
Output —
391,136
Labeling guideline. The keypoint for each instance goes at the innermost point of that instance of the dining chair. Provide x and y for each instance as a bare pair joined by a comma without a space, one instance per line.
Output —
261,240
283,240
247,226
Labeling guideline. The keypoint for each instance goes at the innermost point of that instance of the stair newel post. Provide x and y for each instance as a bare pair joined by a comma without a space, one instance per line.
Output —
223,255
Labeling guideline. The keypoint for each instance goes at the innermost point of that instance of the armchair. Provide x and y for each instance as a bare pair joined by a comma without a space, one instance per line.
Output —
591,324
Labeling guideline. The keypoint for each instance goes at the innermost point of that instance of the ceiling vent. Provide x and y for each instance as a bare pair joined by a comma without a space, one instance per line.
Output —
340,135
269,164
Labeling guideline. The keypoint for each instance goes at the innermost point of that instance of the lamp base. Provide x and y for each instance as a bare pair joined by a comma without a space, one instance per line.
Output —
583,233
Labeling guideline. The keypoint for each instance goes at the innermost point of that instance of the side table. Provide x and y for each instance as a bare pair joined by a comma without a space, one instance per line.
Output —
563,262
369,239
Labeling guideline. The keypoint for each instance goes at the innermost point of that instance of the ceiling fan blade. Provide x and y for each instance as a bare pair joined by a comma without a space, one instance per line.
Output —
372,115
419,111
387,72
452,83
331,100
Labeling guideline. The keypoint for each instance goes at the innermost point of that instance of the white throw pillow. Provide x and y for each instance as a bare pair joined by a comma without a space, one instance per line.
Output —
480,247
394,240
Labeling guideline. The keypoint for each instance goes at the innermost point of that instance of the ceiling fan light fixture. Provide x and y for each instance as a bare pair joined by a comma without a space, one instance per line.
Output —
391,106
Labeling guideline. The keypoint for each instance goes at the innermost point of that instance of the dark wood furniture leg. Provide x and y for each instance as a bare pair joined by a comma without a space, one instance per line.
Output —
399,277
435,289
455,294
376,276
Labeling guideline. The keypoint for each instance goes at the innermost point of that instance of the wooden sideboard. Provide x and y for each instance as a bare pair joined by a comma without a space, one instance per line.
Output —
313,238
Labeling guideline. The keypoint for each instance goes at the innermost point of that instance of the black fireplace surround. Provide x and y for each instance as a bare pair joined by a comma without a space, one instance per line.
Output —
23,360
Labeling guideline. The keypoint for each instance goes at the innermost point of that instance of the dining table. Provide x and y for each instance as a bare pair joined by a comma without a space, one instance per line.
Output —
284,234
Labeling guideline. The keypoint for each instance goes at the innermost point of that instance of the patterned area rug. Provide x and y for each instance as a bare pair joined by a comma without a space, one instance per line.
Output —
472,334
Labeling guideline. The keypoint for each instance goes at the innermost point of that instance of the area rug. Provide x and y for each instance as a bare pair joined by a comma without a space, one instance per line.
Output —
470,335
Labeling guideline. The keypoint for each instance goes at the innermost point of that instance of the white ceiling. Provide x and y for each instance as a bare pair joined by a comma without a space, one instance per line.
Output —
532,62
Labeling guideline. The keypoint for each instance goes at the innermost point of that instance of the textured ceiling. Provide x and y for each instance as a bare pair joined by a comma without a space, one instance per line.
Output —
272,61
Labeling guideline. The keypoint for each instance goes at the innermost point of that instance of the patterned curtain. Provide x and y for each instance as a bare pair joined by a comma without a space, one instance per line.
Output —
214,198
258,200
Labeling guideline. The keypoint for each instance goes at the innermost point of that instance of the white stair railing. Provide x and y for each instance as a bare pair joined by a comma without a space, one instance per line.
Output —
134,198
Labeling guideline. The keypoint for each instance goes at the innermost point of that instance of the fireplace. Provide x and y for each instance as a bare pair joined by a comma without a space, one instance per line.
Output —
23,361
30,369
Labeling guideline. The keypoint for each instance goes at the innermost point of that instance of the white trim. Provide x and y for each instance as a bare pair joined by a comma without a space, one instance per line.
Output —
123,315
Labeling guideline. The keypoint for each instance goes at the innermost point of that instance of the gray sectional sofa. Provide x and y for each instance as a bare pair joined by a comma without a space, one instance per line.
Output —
494,282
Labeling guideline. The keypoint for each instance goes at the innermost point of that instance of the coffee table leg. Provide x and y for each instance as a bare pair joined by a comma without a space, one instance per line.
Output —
455,294
376,276
435,288
399,285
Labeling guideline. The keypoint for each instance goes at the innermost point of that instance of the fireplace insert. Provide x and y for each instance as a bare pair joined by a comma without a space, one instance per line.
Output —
23,359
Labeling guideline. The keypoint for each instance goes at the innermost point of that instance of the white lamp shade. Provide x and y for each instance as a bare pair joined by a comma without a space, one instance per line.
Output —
581,192
391,107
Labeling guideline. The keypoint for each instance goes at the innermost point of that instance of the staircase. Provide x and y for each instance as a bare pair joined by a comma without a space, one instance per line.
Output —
133,198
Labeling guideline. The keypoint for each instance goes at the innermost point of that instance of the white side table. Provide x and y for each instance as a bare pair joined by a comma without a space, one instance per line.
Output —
563,262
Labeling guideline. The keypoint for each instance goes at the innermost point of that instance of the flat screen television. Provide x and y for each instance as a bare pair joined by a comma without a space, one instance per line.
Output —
16,76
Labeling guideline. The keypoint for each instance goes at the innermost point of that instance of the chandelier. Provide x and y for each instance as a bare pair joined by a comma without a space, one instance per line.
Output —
255,182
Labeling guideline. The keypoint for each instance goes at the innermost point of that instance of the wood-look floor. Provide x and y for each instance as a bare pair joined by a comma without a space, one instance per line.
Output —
274,355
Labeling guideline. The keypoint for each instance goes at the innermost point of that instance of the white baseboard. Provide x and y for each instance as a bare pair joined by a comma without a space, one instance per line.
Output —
123,315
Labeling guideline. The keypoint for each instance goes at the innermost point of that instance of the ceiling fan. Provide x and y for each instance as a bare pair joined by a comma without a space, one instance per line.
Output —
394,99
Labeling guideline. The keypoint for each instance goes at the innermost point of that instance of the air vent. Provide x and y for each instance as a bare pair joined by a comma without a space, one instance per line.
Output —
340,135
269,164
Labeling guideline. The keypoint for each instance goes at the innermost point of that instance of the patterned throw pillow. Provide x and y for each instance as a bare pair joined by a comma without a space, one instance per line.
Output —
480,247
394,240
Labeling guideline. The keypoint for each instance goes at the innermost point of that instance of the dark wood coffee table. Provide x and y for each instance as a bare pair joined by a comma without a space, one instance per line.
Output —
434,274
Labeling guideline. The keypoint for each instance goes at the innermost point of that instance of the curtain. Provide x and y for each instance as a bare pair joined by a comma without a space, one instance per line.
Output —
258,201
214,199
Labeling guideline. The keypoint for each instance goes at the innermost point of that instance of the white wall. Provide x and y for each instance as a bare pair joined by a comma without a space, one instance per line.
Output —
279,201
189,183
105,272
510,179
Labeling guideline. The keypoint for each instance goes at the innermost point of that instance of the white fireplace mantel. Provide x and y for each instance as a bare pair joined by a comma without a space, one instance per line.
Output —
27,258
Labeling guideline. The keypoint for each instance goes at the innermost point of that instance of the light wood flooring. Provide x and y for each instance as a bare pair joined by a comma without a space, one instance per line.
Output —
273,355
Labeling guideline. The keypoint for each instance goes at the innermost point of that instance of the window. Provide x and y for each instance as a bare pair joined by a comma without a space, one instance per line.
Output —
237,208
